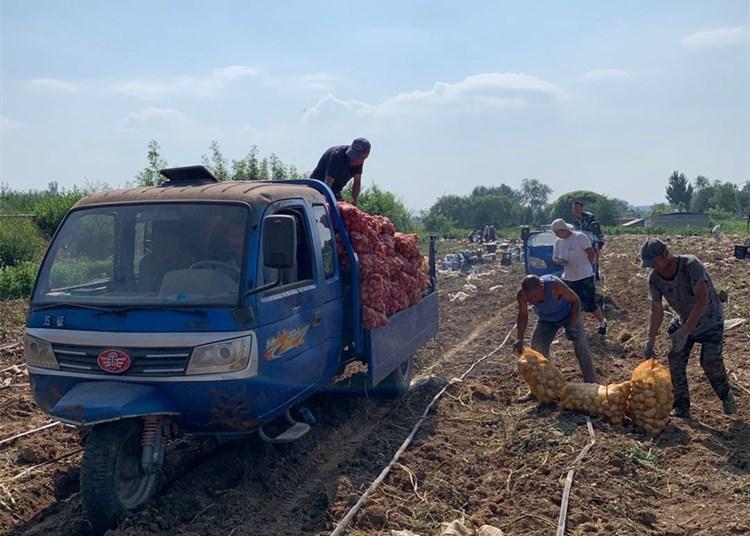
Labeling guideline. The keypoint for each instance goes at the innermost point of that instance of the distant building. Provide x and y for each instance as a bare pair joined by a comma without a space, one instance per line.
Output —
672,219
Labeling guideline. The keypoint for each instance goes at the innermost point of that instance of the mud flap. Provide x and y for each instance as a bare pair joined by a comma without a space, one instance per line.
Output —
97,402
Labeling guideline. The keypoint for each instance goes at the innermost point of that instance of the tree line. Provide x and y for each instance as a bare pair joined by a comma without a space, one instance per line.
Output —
251,167
720,199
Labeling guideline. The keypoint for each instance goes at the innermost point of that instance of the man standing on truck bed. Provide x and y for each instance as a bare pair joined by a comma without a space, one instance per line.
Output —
688,289
556,306
340,163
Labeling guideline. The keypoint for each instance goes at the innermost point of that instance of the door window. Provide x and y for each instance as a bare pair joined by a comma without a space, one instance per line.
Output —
302,270
325,236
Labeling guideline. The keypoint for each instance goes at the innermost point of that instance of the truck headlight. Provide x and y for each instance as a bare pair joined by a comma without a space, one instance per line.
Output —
224,356
39,353
536,262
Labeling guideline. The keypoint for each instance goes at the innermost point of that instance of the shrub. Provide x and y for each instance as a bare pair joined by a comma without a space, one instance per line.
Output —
17,281
19,241
50,211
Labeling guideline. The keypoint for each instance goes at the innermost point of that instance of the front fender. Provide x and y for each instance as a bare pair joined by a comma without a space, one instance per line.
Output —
95,402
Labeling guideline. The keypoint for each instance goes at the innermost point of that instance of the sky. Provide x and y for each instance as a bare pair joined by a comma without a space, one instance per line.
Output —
604,96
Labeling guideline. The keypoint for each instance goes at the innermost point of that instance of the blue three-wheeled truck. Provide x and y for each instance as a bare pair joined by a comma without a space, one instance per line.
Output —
199,307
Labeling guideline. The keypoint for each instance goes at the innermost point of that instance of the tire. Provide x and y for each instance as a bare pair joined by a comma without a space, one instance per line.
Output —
397,383
112,481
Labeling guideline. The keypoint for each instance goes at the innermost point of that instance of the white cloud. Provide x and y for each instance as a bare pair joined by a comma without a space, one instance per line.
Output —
719,37
200,86
495,91
7,124
51,84
154,115
318,81
606,74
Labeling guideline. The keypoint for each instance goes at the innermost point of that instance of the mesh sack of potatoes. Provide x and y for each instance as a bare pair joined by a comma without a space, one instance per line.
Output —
651,398
606,401
544,379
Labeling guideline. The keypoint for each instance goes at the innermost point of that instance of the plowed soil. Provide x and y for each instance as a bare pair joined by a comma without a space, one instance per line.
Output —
481,456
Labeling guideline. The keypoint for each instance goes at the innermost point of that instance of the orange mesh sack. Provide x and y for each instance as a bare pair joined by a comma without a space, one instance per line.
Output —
606,401
651,396
544,379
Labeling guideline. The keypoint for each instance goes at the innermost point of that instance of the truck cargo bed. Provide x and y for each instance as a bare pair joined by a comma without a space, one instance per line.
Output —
387,347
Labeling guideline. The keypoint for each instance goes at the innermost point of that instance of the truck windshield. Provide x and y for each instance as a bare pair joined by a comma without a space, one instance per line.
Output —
171,254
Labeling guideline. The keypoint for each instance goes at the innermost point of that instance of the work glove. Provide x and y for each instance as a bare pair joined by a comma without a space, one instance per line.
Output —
648,348
518,346
571,333
679,338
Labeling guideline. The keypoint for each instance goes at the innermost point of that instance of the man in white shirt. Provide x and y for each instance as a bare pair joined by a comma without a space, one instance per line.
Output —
573,250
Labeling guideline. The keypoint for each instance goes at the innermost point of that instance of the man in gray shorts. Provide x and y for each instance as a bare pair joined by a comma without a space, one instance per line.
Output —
683,281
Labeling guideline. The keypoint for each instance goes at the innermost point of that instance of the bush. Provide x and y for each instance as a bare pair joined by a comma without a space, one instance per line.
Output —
50,211
17,281
19,241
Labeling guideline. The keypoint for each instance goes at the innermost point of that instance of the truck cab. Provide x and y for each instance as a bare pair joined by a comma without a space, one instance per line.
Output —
199,307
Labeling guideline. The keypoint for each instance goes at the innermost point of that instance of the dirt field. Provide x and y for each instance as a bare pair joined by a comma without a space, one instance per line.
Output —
480,457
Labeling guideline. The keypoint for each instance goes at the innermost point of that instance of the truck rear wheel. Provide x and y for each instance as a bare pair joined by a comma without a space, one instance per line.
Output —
397,383
112,480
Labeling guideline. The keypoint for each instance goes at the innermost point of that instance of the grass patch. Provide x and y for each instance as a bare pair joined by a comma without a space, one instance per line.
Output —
647,458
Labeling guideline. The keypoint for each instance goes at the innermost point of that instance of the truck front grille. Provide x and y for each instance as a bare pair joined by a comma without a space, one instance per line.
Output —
145,361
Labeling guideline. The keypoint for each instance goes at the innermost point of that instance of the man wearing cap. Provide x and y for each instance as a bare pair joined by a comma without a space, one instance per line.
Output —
683,281
340,163
556,306
574,251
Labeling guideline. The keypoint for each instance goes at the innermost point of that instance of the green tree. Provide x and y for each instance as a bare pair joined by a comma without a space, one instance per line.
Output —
375,200
150,175
679,190
725,197
217,164
278,169
534,195
606,209
703,191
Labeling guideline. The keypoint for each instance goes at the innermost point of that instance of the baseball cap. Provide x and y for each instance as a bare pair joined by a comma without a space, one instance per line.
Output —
360,147
651,249
561,225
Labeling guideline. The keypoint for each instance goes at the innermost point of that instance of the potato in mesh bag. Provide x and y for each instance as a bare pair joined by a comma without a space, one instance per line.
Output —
606,401
544,379
651,397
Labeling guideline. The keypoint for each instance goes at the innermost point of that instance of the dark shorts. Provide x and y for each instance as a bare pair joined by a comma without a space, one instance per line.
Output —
586,291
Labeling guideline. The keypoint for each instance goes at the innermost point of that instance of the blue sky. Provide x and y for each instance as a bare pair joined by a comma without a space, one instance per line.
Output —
607,96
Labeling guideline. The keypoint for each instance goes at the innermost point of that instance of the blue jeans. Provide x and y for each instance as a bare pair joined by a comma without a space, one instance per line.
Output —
545,332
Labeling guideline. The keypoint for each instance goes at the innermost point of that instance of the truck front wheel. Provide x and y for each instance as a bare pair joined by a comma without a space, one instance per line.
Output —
397,383
112,480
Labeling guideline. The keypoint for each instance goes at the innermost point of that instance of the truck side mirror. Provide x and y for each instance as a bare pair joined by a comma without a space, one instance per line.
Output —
279,241
525,231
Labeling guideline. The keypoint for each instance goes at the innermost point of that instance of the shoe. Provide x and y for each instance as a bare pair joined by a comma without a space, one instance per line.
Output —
730,408
603,329
682,413
528,397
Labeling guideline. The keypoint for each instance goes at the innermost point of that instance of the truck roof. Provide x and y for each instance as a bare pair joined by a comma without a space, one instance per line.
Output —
250,192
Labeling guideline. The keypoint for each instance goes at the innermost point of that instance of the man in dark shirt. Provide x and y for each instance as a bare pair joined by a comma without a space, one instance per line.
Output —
683,281
587,222
340,163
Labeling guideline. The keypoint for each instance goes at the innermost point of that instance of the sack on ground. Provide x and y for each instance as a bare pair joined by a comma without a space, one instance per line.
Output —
605,401
544,379
651,398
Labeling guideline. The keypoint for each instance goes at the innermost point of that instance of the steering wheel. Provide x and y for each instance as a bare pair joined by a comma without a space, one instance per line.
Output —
229,269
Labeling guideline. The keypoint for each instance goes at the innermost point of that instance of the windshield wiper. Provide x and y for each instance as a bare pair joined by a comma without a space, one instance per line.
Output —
66,304
127,308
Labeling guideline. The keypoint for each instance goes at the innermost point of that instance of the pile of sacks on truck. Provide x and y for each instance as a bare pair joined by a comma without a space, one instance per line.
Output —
646,399
393,272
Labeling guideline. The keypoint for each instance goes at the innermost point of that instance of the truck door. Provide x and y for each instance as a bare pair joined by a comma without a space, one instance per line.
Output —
328,321
289,317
